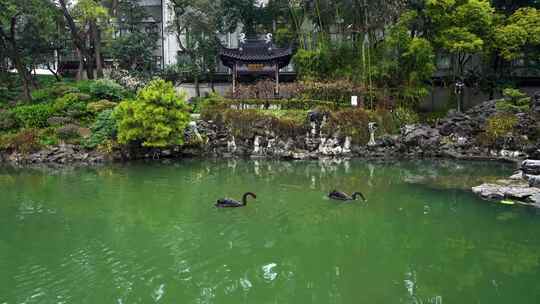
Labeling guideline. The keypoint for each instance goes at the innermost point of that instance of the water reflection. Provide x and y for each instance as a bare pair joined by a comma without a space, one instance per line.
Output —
147,233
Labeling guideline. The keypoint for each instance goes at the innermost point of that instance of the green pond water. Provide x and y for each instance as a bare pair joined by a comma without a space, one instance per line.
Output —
148,233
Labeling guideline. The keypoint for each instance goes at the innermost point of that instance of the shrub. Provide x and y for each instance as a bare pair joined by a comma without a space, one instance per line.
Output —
157,118
514,101
405,116
26,141
84,86
338,91
499,125
50,93
350,122
290,123
43,95
58,121
48,137
33,116
5,141
107,89
329,61
386,122
243,124
308,63
68,132
103,129
246,124
101,105
7,121
6,94
206,106
71,101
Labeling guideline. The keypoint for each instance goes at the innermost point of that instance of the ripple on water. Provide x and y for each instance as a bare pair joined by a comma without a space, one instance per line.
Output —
149,234
269,273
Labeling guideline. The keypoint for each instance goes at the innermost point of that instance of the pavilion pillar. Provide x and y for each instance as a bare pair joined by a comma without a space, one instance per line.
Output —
234,78
276,91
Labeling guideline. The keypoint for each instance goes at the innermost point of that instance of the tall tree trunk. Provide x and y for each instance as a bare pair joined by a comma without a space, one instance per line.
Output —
10,43
80,68
25,76
197,86
212,84
95,35
89,66
79,41
55,73
114,8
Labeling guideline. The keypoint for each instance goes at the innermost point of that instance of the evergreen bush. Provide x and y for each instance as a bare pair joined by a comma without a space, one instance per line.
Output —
156,118
107,89
514,101
33,116
103,129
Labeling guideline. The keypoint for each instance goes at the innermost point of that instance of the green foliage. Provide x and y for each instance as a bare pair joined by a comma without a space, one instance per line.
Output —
52,92
514,101
211,107
101,105
284,36
107,89
332,61
338,91
520,30
206,105
406,62
198,21
134,49
25,141
29,34
84,86
156,118
6,94
246,124
350,122
33,116
354,122
71,102
103,129
48,136
405,116
459,28
432,118
499,125
459,40
308,63
8,121
68,132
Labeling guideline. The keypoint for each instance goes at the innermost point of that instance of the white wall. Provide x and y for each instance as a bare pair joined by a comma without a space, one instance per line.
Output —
221,89
170,44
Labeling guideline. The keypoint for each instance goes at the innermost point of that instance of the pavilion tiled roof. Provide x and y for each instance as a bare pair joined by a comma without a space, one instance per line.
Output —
256,51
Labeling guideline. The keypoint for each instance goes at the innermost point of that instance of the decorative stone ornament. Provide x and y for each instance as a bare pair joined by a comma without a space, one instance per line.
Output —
372,127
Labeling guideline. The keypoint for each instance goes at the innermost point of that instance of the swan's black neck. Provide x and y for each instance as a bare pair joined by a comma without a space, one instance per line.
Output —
358,194
244,198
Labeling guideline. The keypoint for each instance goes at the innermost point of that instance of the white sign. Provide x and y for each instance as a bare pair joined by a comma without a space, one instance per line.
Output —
354,101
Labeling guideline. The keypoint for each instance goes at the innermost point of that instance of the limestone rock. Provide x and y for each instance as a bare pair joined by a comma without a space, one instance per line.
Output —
521,192
531,167
420,135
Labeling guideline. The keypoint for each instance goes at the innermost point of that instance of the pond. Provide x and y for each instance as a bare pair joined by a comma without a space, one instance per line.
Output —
148,233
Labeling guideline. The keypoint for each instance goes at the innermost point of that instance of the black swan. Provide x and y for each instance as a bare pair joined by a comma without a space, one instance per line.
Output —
342,196
230,203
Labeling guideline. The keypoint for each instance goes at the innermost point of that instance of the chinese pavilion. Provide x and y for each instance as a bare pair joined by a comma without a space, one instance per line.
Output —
256,57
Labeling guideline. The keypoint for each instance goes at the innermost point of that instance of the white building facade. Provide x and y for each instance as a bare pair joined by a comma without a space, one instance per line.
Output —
168,50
